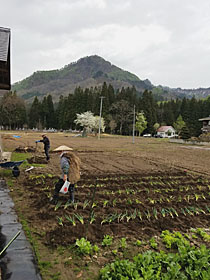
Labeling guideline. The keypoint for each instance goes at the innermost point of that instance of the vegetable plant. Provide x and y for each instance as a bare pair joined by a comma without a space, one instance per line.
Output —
107,241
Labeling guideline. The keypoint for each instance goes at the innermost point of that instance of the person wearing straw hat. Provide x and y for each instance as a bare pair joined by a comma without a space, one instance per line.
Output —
70,167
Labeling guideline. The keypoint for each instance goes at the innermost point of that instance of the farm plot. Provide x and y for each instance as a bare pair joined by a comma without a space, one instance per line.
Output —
131,205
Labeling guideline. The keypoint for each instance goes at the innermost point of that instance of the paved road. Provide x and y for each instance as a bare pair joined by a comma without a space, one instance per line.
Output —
18,263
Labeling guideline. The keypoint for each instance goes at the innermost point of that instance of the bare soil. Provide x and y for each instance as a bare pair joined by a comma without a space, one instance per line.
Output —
158,179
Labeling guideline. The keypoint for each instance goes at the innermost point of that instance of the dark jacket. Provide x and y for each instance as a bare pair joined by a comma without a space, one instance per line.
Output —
46,142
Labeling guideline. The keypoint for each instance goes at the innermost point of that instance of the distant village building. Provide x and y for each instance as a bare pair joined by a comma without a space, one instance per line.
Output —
206,124
5,83
166,132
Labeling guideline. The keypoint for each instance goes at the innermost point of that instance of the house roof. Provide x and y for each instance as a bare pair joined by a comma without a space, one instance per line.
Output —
4,43
165,128
205,119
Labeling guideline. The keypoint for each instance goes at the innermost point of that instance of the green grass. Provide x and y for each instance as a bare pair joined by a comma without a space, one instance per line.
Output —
25,156
4,172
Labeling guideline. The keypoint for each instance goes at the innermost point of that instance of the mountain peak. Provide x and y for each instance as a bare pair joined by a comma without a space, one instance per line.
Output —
89,71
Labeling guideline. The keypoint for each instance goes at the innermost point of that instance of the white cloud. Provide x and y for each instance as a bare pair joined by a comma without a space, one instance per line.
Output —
167,41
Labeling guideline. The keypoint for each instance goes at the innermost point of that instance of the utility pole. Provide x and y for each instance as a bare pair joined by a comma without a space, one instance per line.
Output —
99,129
134,117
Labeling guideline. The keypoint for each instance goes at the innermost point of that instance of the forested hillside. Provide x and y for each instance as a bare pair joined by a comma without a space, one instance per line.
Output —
85,73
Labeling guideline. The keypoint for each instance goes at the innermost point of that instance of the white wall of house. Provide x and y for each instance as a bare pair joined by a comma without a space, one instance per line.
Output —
167,134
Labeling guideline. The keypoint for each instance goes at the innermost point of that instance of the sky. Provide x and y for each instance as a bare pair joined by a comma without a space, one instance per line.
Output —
165,41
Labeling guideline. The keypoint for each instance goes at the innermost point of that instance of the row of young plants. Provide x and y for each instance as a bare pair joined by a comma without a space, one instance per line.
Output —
203,190
151,180
159,200
167,181
133,188
147,214
135,176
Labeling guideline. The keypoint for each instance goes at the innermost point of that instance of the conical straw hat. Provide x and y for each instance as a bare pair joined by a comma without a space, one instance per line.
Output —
62,148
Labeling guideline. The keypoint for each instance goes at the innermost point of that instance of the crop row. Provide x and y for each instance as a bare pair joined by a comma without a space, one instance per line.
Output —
126,216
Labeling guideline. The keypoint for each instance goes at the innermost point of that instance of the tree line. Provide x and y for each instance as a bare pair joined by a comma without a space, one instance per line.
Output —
117,110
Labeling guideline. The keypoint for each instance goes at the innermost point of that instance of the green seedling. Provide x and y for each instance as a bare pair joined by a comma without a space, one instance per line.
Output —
128,217
208,209
94,204
124,215
139,215
197,196
67,204
155,213
114,202
60,221
71,220
174,211
188,211
183,212
92,217
57,206
133,215
163,212
79,218
119,217
105,203
148,215
86,203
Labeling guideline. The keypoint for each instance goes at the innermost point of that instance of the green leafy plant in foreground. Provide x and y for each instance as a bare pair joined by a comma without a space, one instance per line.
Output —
123,243
153,243
107,241
138,243
189,263
173,240
202,233
84,247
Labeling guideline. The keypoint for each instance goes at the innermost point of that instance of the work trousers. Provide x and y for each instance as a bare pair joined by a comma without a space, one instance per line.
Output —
59,185
46,150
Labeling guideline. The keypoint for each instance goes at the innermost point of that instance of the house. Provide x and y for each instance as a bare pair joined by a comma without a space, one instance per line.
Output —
5,83
206,124
166,132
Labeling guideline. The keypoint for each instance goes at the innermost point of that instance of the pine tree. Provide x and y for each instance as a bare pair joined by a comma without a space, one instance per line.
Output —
185,133
148,105
51,120
34,114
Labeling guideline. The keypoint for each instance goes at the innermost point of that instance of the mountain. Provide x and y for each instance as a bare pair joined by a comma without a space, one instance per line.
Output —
87,72
167,93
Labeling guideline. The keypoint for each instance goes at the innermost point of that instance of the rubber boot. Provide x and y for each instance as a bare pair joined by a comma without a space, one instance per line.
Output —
71,193
54,199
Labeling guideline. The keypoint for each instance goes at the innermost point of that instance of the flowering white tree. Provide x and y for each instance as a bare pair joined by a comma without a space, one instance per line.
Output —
89,122
97,122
